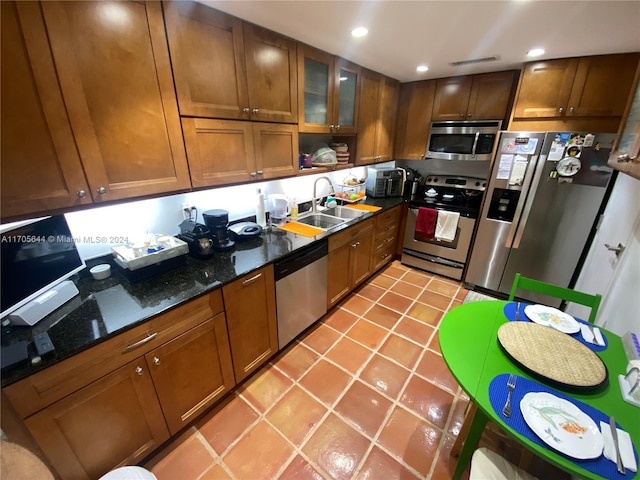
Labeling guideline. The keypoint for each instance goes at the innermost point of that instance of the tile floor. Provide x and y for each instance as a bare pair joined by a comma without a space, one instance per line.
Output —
365,394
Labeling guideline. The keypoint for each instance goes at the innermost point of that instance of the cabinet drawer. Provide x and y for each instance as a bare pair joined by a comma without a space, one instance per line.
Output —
383,255
387,217
383,241
338,239
43,388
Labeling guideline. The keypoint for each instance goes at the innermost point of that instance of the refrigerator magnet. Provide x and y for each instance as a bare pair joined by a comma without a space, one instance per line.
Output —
568,166
573,151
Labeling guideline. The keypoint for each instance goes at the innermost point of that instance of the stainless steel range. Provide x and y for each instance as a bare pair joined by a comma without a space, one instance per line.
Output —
447,194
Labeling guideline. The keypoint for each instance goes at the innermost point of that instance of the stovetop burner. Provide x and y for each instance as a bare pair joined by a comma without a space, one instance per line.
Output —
452,193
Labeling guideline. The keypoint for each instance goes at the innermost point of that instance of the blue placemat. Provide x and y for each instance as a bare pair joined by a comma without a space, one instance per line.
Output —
510,313
498,396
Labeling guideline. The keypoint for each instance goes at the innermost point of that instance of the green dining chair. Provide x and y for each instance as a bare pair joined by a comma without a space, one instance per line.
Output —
555,291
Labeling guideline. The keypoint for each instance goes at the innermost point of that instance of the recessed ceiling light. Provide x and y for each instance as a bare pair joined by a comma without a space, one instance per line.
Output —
359,32
422,68
535,52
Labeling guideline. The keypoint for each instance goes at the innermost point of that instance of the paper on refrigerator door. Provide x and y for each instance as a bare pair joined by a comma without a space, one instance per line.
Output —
518,171
504,167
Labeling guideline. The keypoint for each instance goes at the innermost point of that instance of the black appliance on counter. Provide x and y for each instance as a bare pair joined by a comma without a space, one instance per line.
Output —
198,237
217,221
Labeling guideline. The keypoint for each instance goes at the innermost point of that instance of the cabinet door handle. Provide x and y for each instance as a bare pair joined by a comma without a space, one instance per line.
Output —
139,370
571,110
338,127
81,194
246,110
468,115
255,111
560,110
355,245
146,339
253,174
156,360
462,114
331,127
252,279
101,190
260,172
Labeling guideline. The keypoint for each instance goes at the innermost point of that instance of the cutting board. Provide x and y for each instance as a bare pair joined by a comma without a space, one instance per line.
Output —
301,229
366,208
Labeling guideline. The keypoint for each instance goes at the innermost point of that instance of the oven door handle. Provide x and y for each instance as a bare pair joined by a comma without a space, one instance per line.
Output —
475,144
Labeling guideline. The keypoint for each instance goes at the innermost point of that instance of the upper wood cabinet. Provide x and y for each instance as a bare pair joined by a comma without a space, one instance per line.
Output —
626,153
328,92
113,65
376,118
477,97
41,167
226,68
583,87
250,305
231,151
415,107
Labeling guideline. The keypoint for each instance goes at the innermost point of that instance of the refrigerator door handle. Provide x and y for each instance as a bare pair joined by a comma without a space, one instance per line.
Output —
524,188
529,202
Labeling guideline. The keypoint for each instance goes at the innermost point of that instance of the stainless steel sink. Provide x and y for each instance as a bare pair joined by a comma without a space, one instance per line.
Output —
345,212
321,220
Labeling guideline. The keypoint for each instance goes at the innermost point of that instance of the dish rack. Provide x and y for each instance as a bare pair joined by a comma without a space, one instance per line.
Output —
133,257
351,189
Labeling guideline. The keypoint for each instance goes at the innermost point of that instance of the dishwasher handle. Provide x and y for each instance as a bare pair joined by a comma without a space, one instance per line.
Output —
300,259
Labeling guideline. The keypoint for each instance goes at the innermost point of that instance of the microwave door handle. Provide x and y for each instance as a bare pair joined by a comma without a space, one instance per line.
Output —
475,144
530,199
389,185
524,189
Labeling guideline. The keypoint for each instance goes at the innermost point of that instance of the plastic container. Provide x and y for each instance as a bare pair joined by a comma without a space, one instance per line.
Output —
102,271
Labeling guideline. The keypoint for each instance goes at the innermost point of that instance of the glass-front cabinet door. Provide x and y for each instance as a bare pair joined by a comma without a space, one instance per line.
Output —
327,93
347,97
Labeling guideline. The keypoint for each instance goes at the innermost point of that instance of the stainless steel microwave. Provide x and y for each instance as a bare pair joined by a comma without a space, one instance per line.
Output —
472,140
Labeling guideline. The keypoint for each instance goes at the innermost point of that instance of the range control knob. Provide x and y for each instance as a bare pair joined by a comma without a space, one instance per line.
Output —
477,184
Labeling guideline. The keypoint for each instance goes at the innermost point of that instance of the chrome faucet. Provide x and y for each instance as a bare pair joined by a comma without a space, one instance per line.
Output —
314,200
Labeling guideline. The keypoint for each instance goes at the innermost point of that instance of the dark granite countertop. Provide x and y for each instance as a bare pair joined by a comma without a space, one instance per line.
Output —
108,307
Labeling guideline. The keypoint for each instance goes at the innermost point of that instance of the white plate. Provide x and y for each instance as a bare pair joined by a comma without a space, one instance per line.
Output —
552,317
562,425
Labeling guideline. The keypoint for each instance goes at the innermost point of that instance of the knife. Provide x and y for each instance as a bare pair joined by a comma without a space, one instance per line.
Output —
614,435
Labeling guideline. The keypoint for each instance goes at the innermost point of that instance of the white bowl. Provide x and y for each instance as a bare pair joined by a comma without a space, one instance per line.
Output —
101,271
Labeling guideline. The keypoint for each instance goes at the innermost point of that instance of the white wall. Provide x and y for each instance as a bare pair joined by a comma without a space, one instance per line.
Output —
163,215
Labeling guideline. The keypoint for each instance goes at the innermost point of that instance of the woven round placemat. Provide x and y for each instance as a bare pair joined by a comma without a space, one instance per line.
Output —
551,354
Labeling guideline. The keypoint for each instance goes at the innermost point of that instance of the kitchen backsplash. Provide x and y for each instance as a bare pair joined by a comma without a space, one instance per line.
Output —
431,166
133,220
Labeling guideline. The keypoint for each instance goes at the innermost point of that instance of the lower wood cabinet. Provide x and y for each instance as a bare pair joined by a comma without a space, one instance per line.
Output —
250,306
349,260
115,420
192,372
385,237
118,401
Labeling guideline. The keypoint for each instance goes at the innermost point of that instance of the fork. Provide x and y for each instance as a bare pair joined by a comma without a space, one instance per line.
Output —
511,386
517,311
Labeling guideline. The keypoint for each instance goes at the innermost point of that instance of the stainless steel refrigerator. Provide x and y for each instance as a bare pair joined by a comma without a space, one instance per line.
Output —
541,206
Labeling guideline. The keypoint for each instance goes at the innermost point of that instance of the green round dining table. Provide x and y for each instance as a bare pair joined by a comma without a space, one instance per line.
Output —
470,348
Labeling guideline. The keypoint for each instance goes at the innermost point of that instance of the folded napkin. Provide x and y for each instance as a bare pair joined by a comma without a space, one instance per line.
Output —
426,222
588,336
626,447
447,225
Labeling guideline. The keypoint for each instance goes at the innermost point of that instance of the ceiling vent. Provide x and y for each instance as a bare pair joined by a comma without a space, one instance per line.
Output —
474,60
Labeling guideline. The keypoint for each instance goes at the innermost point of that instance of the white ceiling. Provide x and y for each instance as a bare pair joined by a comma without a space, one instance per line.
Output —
404,34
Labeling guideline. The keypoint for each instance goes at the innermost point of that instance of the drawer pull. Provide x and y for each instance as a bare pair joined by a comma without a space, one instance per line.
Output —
131,346
252,279
139,370
156,360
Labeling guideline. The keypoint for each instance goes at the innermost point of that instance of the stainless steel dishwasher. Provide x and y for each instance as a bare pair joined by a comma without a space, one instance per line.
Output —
301,290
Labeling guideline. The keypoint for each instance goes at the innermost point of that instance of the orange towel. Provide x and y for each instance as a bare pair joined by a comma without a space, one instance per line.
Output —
426,222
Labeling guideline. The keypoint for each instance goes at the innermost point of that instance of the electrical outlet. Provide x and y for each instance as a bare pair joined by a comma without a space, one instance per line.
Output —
188,210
